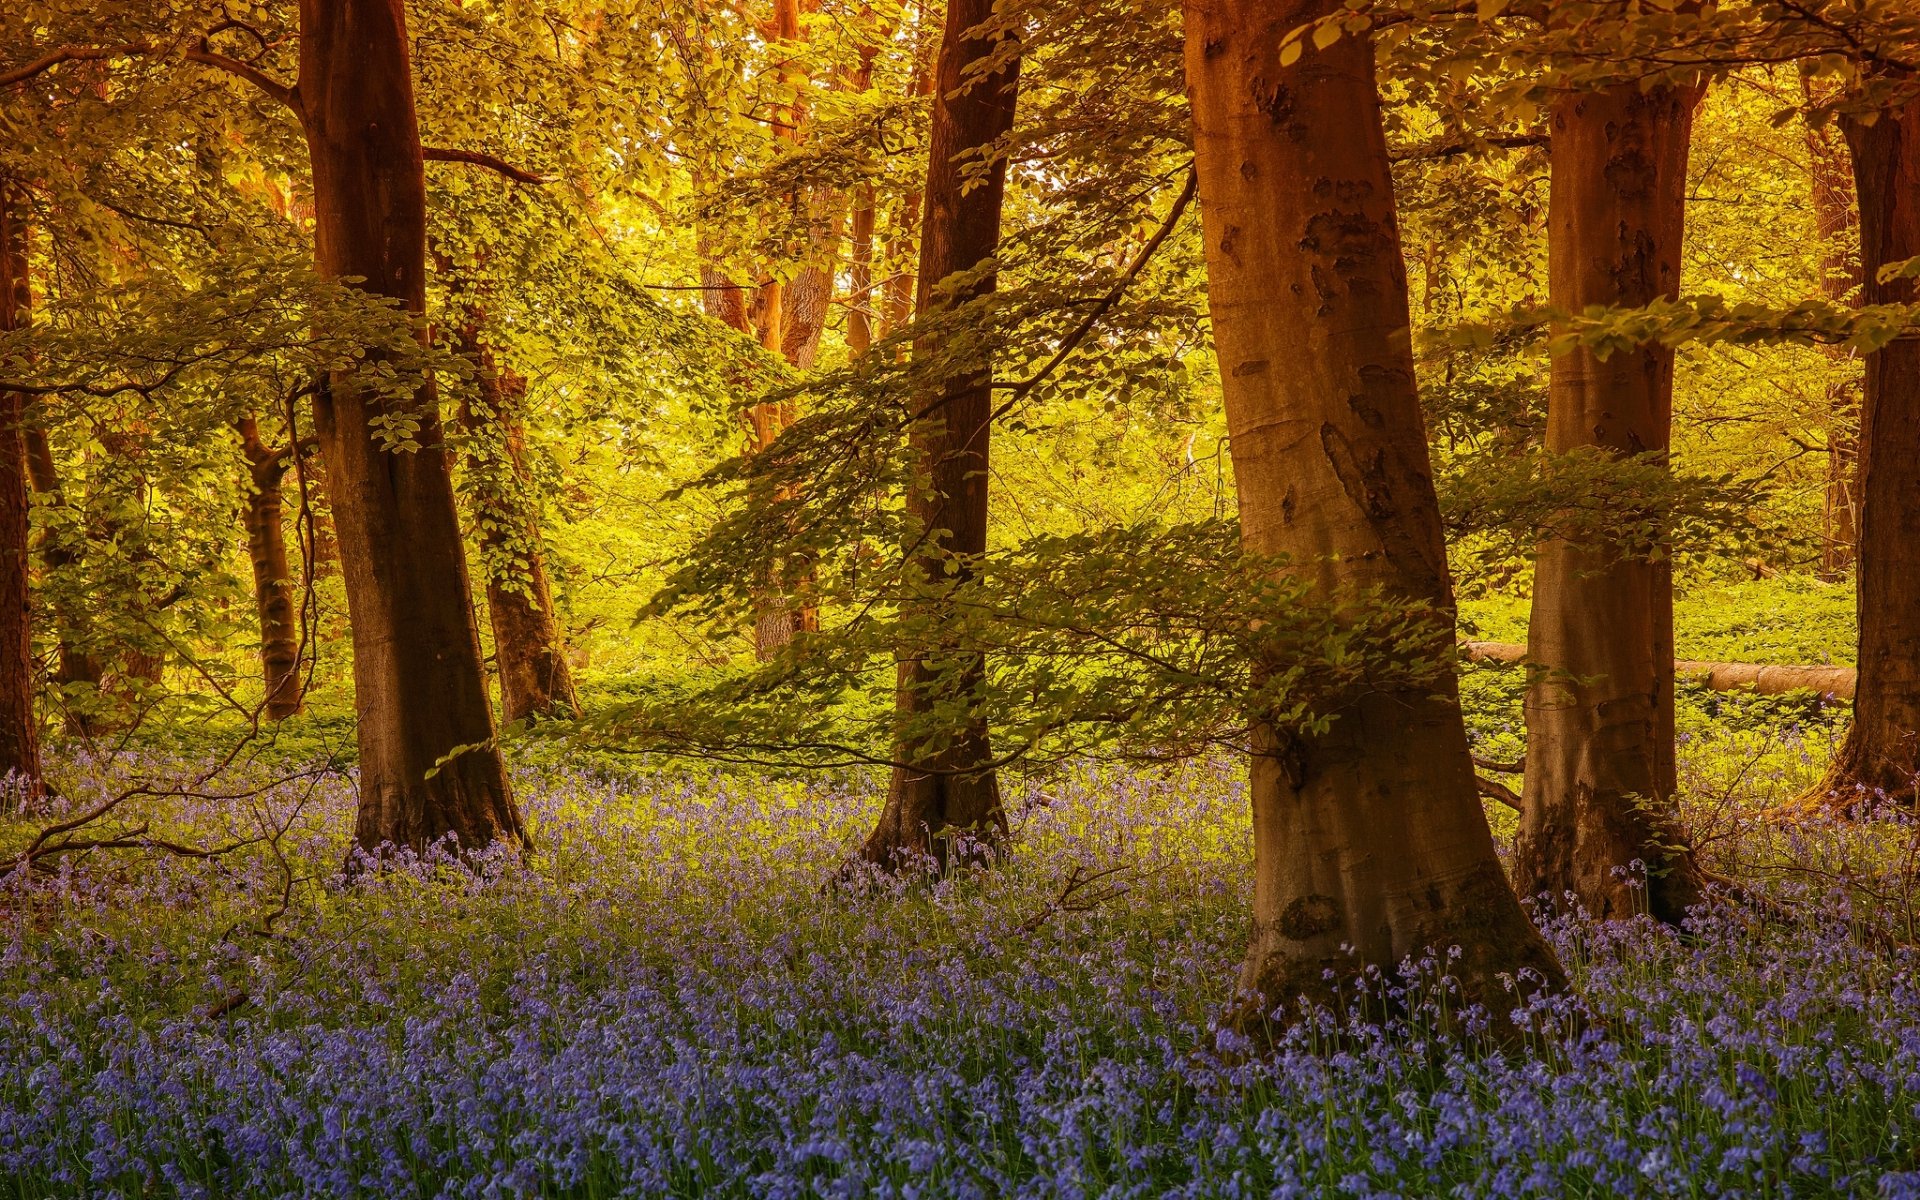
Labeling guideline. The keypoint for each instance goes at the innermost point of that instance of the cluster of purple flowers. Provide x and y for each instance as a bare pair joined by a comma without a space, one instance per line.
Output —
671,999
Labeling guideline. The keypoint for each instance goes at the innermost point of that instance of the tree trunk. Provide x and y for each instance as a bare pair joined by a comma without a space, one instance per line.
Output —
1370,843
76,666
535,678
1882,751
860,274
1837,225
19,679
418,683
273,591
945,785
1600,735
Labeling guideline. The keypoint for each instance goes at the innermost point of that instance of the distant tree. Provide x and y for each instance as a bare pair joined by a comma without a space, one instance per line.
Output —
528,649
273,583
1836,222
1370,843
945,784
1600,720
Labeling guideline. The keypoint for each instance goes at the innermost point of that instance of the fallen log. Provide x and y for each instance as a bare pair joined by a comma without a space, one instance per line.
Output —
1766,679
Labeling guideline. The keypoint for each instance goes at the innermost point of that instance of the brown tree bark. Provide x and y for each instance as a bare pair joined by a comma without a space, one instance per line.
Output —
1837,225
535,677
945,785
418,682
76,664
860,273
1600,736
1370,843
19,676
273,590
1882,750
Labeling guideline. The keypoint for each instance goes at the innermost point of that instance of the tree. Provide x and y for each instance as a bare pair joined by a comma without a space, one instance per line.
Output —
535,678
273,594
19,675
418,681
1882,750
1836,222
944,785
1370,843
1599,709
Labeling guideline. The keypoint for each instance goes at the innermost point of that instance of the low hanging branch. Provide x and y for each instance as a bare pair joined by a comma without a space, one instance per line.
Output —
1766,679
1019,391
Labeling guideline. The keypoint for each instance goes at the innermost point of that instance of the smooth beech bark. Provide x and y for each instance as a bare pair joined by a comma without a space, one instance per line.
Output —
19,678
1600,775
944,786
535,677
273,591
1836,221
1882,750
1370,843
418,681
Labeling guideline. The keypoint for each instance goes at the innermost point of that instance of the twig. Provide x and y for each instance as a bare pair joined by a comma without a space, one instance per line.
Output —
1073,897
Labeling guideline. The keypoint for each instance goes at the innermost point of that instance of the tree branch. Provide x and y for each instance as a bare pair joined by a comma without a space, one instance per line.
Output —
1020,390
201,53
1452,147
254,75
477,159
71,54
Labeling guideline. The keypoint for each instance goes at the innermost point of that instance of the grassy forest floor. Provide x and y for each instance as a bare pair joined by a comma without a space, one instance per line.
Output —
665,1001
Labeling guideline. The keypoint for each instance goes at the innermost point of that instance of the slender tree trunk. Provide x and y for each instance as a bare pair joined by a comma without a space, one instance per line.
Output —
947,784
535,679
1837,225
860,274
1370,843
1882,751
77,667
418,681
19,679
273,591
903,285
1600,738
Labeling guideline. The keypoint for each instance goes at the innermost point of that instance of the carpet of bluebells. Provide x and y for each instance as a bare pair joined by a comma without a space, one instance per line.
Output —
670,999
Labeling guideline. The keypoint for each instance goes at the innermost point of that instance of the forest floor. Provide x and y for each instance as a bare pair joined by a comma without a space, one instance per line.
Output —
665,1000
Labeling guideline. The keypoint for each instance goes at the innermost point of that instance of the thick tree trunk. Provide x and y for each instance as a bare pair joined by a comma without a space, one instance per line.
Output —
19,678
1882,751
1837,225
1600,737
418,682
1370,843
273,591
535,678
945,786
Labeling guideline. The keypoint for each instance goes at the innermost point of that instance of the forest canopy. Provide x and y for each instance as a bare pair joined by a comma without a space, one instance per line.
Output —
1444,430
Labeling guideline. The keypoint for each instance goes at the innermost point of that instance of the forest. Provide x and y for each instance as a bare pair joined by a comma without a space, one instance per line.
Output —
959,598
